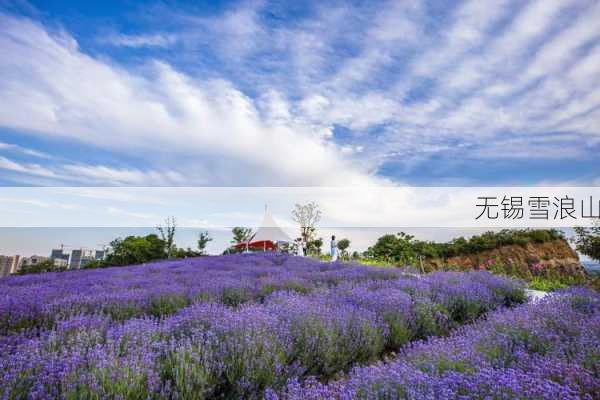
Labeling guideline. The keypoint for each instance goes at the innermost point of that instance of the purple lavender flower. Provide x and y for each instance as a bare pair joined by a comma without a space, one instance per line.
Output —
235,326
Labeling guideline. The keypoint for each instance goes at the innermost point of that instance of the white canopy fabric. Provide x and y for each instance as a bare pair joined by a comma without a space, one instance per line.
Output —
269,230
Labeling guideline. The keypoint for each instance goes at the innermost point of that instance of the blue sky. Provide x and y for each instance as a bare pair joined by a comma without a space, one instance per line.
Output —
265,93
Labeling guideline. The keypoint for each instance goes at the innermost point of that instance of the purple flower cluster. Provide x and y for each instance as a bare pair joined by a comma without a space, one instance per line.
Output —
545,350
221,327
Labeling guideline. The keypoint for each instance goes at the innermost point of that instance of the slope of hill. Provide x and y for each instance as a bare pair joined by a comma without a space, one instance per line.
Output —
553,258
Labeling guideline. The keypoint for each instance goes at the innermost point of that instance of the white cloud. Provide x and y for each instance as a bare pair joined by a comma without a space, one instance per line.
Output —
24,150
516,69
97,174
124,176
30,169
206,126
153,40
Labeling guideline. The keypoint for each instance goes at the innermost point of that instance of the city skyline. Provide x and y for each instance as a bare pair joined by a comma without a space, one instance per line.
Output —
77,258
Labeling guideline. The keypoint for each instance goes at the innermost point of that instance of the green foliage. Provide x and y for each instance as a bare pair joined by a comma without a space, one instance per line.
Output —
136,250
314,246
93,264
374,262
289,248
587,241
595,284
241,234
167,304
167,234
193,378
400,332
203,239
127,384
235,296
325,349
546,285
178,252
462,310
431,319
399,248
43,266
404,248
343,245
493,240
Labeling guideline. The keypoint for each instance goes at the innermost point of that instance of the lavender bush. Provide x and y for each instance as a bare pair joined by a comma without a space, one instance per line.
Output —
547,350
221,327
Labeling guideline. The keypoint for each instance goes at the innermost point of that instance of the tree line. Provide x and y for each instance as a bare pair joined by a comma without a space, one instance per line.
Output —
403,248
400,248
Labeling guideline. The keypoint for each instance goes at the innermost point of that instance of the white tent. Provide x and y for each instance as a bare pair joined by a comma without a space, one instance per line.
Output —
268,234
269,230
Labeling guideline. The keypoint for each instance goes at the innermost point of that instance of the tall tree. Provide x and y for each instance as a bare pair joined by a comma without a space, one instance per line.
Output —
307,216
167,234
241,234
398,248
314,246
343,245
587,240
203,239
136,250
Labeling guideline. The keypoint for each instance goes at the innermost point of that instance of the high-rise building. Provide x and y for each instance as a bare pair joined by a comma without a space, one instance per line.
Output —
33,260
85,260
75,261
59,257
99,254
80,257
60,262
9,265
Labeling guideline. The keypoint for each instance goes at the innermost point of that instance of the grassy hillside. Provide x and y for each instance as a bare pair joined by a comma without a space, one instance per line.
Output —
540,256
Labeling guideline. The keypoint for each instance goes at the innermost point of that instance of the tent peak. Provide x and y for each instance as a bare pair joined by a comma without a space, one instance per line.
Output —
269,230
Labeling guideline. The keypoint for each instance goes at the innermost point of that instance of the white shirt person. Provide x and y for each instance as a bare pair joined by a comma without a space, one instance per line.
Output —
334,249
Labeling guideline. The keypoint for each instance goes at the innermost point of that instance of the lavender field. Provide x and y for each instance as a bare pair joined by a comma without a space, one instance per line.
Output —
273,326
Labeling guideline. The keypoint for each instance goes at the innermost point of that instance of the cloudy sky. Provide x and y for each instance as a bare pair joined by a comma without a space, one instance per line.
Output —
258,93
280,93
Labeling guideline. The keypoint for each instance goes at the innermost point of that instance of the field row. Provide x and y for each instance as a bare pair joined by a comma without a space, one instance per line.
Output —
547,350
300,318
160,289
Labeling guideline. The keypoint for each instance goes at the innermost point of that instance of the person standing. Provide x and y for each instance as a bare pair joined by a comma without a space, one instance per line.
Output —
301,247
334,249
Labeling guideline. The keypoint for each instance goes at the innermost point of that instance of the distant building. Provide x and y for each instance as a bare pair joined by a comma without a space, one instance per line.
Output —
9,265
59,257
33,260
99,254
60,262
80,257
75,261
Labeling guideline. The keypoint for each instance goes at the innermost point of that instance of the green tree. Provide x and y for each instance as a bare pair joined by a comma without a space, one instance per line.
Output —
314,246
399,248
203,239
403,248
241,234
42,266
136,250
343,245
587,240
167,234
184,253
94,264
384,248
